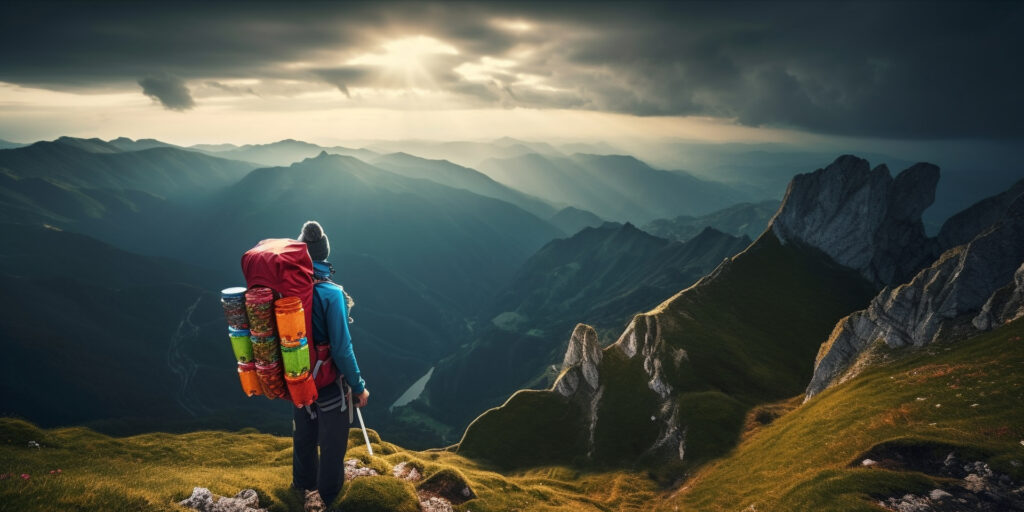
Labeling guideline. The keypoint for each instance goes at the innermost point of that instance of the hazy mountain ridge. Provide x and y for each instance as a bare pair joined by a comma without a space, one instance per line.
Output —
614,187
95,164
59,312
456,176
744,219
572,220
283,152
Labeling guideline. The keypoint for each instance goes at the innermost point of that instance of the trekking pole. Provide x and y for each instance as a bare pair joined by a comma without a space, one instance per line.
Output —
362,425
366,438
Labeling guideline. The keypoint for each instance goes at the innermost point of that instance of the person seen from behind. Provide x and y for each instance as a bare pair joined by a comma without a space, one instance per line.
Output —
325,424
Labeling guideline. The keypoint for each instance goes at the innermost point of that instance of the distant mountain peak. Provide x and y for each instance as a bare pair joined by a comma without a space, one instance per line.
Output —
862,217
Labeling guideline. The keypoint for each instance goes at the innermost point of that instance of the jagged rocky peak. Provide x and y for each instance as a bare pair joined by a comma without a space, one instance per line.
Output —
940,302
862,217
584,354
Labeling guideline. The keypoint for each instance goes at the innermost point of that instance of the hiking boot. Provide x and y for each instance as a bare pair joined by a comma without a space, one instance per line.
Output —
314,503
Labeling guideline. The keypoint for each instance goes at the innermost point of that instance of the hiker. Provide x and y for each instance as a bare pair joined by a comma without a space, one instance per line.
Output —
326,422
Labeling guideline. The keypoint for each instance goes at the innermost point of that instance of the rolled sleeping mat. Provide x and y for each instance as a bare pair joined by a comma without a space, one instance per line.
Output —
265,350
295,357
241,345
302,389
232,300
291,319
272,380
259,306
250,379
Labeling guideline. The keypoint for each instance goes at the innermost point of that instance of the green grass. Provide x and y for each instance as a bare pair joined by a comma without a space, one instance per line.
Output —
809,458
153,471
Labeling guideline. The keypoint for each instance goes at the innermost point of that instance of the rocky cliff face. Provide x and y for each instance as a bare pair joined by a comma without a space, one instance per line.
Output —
936,303
862,217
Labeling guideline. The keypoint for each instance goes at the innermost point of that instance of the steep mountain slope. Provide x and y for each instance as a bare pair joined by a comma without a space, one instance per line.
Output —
673,390
94,164
572,220
456,176
744,219
93,333
601,275
696,364
613,187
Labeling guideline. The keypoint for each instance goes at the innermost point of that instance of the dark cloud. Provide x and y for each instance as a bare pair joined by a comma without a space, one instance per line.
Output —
230,89
885,69
169,90
342,77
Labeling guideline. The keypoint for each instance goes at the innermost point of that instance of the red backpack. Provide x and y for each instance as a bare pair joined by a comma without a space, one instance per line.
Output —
284,265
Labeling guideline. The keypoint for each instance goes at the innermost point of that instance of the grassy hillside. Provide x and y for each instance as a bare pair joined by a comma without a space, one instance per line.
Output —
807,459
153,471
923,404
745,336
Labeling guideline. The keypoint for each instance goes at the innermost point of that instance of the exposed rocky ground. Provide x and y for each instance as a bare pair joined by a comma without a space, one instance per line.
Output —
205,501
978,487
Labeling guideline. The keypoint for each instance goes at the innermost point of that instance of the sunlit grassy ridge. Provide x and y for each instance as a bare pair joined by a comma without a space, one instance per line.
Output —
153,471
922,399
745,336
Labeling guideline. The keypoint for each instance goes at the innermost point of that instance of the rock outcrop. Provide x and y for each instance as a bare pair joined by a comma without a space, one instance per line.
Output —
582,358
934,303
205,501
1006,305
862,217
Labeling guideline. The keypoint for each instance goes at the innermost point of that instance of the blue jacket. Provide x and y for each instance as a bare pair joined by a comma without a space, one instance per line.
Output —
330,322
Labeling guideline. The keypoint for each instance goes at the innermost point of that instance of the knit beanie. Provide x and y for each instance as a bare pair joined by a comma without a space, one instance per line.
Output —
316,241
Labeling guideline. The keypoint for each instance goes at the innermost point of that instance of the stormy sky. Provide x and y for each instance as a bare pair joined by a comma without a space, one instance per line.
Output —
725,70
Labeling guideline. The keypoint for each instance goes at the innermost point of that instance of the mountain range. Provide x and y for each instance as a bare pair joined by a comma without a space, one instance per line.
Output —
678,386
842,360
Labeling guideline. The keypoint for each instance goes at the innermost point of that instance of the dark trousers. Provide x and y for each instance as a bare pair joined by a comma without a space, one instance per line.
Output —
325,473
